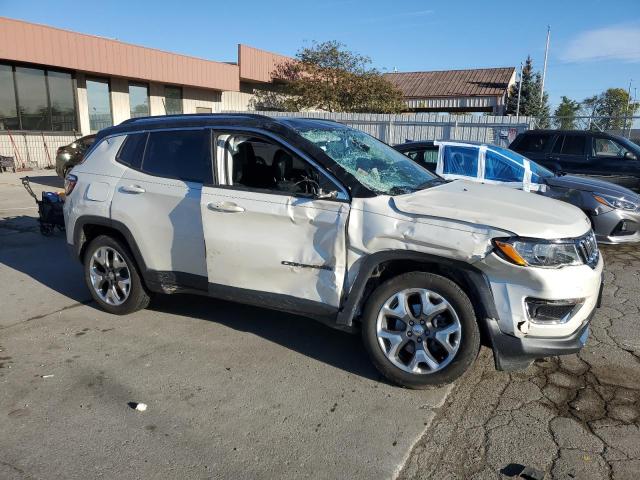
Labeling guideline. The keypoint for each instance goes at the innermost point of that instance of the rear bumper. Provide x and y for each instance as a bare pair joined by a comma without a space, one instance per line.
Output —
514,353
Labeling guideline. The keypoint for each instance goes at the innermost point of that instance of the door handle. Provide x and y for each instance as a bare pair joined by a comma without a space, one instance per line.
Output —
228,207
137,189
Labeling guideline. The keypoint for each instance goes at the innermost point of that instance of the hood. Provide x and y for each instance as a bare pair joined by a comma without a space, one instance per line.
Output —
589,184
522,213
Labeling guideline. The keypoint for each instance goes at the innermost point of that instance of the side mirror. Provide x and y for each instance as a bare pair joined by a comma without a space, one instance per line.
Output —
332,195
630,156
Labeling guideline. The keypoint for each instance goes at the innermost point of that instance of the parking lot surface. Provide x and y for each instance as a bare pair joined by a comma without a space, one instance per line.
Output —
240,392
232,391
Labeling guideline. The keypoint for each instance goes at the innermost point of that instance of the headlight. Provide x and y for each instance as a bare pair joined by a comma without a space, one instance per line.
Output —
614,202
538,253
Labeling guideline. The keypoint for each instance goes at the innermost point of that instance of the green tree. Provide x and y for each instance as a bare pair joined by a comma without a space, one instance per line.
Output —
530,102
566,114
327,76
614,108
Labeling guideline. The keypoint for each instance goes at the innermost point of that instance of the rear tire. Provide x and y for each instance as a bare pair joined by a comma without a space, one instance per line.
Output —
430,341
112,276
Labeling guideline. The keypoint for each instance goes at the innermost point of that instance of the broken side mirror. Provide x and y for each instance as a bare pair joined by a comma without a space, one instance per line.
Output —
322,195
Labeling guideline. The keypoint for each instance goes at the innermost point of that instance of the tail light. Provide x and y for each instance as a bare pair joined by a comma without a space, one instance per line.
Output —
70,184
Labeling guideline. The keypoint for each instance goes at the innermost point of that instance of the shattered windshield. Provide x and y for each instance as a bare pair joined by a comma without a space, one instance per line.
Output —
375,165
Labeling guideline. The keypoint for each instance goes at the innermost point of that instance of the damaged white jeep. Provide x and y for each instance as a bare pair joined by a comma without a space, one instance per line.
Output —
318,219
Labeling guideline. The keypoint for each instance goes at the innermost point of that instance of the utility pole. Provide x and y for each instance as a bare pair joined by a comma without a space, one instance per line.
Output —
544,69
626,112
519,92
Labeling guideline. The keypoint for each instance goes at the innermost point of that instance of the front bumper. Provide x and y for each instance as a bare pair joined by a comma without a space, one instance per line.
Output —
513,353
606,226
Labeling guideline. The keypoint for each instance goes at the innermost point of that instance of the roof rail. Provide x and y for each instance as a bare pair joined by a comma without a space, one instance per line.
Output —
191,115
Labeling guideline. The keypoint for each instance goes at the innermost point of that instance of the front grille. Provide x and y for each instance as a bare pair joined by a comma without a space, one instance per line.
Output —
588,249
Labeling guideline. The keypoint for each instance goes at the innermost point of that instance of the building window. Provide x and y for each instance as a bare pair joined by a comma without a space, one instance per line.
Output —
36,99
8,110
173,100
63,109
32,99
139,100
99,103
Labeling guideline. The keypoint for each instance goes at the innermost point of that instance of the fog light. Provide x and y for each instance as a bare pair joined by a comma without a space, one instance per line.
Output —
625,227
551,311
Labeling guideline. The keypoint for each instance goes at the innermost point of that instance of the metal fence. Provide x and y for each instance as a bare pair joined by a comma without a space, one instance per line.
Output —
33,149
399,128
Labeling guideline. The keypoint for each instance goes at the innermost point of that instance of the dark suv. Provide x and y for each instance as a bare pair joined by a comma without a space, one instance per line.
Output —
595,154
68,156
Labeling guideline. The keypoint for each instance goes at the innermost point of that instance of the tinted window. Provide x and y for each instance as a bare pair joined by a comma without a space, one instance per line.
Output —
99,104
535,142
573,145
32,98
428,158
132,150
461,161
63,110
261,164
8,110
173,100
181,154
138,100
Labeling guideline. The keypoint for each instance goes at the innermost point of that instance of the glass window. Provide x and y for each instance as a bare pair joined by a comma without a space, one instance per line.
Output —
99,103
261,164
428,158
536,142
181,154
573,145
173,100
8,110
461,160
132,150
63,110
607,148
503,169
138,100
32,99
374,164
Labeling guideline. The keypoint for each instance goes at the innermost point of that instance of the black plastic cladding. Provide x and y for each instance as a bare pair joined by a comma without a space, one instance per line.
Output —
282,127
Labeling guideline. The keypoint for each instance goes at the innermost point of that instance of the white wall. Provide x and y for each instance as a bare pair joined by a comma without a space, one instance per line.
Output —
198,97
156,99
81,102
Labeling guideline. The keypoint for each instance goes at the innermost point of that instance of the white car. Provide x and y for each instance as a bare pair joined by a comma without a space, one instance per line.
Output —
319,219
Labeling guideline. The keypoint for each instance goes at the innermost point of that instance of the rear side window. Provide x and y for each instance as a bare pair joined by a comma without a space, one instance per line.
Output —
461,161
535,142
132,150
180,154
570,145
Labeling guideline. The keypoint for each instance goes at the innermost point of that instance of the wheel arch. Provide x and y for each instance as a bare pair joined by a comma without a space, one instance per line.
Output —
379,267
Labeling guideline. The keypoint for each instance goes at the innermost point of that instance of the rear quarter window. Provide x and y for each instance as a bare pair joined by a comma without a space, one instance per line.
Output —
535,142
132,150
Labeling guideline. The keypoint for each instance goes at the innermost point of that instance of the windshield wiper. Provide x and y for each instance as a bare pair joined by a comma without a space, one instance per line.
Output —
431,183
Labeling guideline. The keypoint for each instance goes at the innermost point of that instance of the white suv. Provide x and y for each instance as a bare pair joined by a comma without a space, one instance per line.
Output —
319,219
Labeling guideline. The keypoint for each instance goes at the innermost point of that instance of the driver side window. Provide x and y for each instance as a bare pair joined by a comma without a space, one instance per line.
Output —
606,148
256,163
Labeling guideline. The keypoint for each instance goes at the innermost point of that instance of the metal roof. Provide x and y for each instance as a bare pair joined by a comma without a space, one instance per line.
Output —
450,83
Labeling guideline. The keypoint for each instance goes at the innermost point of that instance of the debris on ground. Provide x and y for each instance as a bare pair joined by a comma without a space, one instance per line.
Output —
141,407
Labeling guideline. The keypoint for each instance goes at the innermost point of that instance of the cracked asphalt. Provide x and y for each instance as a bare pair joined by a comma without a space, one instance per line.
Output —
570,417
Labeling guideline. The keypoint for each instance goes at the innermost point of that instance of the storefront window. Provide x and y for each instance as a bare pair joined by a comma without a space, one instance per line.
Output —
63,110
8,110
32,99
173,100
139,100
99,104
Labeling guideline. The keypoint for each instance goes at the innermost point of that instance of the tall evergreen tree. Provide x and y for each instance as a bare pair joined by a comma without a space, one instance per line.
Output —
566,114
530,102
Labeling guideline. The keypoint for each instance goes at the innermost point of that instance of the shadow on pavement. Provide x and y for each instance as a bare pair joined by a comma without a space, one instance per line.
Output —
47,180
303,335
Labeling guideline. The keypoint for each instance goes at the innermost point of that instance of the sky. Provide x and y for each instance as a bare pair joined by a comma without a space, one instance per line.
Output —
595,44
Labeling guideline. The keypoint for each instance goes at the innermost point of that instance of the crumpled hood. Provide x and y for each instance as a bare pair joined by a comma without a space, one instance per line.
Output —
595,185
522,213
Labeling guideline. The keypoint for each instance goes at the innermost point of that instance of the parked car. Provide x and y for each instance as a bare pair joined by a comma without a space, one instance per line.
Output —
319,219
594,154
70,155
614,211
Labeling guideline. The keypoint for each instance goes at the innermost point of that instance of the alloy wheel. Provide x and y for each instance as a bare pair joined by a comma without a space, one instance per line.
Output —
110,276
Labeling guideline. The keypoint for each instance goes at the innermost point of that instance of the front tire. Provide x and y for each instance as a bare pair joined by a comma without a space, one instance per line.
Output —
112,276
420,330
